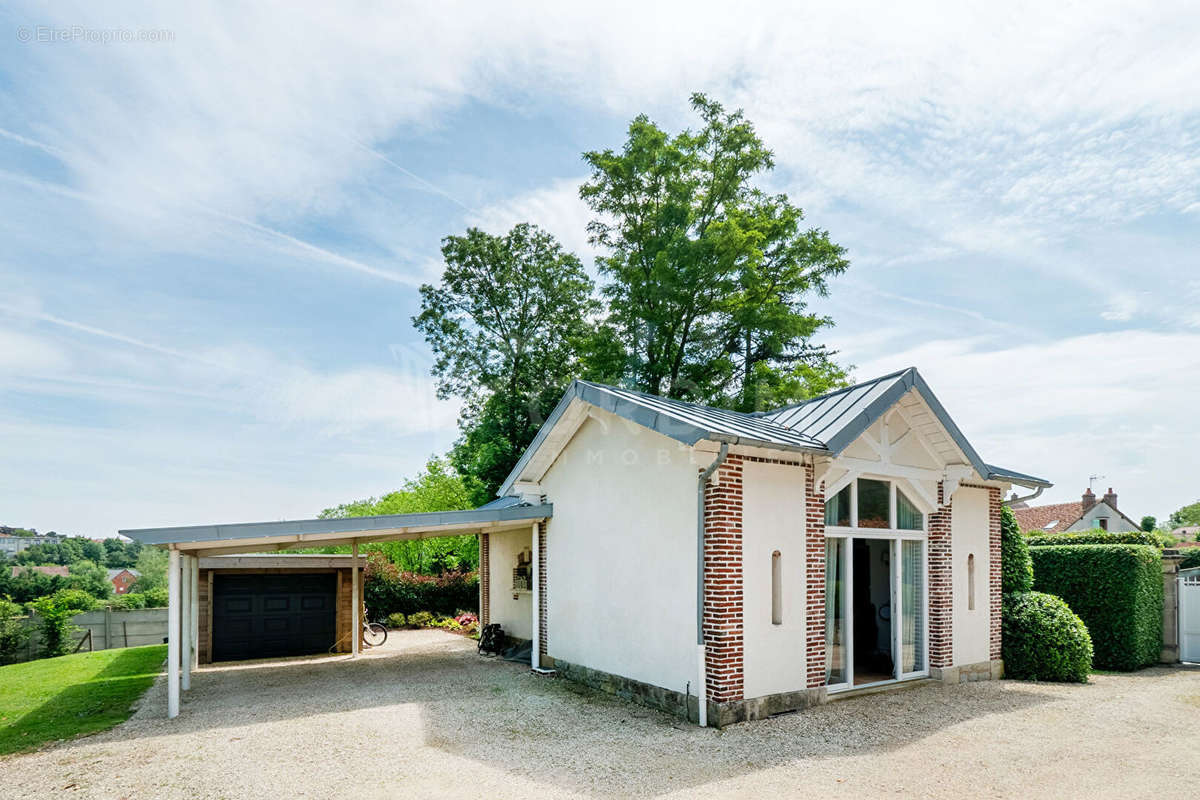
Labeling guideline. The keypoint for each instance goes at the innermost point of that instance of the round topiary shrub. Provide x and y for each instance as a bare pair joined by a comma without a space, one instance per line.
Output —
396,620
1044,640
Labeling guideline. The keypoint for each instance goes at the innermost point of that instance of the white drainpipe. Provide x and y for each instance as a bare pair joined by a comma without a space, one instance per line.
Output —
701,670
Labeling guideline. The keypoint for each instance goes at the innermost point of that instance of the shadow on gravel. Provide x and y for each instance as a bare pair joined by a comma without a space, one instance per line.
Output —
555,732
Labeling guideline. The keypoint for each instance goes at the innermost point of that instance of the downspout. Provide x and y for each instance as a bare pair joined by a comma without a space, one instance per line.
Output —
1033,496
702,685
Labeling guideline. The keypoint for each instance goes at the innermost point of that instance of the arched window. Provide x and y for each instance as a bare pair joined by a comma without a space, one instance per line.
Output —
776,588
971,582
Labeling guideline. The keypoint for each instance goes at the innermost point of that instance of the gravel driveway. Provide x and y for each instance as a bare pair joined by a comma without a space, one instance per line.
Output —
425,717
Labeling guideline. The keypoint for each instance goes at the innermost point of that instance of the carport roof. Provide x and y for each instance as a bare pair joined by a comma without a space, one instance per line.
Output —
242,537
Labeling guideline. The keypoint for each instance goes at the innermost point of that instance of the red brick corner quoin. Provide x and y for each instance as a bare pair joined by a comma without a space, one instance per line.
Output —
723,632
814,560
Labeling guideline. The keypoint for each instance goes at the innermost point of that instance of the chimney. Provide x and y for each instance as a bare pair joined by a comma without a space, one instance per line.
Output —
1089,500
1111,498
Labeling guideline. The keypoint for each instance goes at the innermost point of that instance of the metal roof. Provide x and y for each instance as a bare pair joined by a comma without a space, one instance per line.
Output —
822,425
300,531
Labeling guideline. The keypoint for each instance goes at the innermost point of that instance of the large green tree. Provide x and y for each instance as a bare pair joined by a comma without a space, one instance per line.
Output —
437,488
707,273
506,325
1188,515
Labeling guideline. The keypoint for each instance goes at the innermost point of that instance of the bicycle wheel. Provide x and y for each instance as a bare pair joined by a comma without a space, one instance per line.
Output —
374,634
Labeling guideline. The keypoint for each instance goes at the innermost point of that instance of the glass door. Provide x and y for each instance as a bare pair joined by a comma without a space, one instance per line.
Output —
912,608
837,621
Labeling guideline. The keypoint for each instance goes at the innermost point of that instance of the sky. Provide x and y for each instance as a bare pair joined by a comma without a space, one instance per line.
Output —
214,221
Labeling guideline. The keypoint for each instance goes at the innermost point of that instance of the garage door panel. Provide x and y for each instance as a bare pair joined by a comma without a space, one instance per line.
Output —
276,603
264,616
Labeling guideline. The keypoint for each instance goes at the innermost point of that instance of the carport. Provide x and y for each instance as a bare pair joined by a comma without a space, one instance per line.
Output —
187,545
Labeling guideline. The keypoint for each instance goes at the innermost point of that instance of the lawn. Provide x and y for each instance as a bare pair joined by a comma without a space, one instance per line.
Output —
57,698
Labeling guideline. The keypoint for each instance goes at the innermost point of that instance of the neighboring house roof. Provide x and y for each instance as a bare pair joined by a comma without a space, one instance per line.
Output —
1186,530
1053,517
112,573
46,570
824,425
1059,516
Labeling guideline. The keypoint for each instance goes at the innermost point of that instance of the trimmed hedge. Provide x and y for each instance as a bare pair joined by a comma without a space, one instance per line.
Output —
1016,570
1116,589
1095,537
389,590
1044,640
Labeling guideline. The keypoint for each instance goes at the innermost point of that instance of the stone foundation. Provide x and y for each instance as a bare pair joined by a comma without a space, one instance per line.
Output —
681,705
966,673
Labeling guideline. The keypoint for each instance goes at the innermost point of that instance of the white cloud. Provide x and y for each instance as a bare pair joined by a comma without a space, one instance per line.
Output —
1121,404
555,207
1055,114
21,352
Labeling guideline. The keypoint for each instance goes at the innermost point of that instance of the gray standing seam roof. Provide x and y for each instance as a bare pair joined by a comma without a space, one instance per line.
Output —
825,424
364,525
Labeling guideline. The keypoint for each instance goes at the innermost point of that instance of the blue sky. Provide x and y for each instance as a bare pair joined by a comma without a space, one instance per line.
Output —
212,242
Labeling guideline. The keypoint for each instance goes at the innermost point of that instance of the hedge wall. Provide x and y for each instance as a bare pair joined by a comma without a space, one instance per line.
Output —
1095,537
1116,589
389,590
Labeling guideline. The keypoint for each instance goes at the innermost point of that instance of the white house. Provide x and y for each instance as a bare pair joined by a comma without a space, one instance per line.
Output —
759,562
1086,515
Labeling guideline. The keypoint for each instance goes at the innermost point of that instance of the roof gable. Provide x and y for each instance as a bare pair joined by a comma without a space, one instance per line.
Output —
823,425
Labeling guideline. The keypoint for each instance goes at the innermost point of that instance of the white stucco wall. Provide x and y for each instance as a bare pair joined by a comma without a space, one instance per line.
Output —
513,610
773,519
622,553
969,536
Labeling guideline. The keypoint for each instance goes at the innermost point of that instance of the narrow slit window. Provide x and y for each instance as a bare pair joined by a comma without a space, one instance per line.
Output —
776,588
971,582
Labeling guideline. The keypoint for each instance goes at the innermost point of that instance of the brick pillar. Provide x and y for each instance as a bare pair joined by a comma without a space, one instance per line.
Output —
995,586
723,582
543,567
814,560
941,587
485,581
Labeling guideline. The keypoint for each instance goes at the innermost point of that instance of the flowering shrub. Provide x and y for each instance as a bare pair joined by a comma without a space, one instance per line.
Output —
389,590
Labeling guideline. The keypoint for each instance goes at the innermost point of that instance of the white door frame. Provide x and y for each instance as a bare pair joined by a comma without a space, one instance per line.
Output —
895,537
1189,594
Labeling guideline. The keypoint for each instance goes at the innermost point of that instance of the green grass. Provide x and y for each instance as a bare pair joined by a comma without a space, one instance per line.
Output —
57,698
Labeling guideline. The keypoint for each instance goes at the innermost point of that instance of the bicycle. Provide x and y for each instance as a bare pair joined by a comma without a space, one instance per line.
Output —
373,633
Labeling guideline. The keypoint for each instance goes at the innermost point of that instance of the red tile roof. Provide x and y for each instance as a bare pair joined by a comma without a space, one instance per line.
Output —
1036,518
51,570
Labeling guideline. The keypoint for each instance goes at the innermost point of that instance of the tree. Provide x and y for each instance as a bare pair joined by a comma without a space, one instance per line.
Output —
13,631
1188,515
152,564
505,324
90,577
437,488
707,273
1149,523
55,615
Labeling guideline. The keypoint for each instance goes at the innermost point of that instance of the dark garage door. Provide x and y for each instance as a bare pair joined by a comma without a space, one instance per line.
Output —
265,616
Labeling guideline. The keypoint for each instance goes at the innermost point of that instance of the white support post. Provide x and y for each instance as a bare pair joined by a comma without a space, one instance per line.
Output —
355,625
172,633
184,611
194,656
535,656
